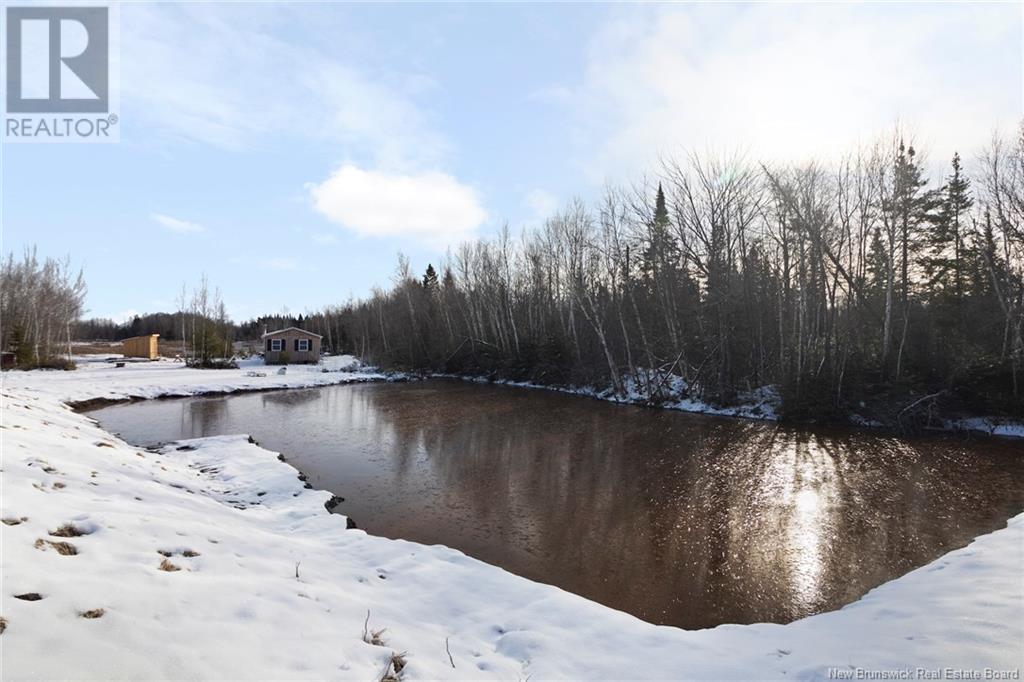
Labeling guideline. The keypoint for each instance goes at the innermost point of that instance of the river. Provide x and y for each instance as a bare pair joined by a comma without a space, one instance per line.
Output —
679,519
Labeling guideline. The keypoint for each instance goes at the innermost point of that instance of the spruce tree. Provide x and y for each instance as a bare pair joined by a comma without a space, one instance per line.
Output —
661,253
946,261
430,278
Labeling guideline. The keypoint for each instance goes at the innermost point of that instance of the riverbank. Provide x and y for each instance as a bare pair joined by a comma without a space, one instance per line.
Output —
763,403
270,585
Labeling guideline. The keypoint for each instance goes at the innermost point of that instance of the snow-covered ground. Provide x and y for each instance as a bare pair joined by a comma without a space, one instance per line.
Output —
990,425
761,403
103,380
269,585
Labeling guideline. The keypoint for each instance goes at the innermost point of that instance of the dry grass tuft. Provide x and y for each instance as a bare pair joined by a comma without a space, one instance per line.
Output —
3,624
68,530
92,613
395,666
64,548
166,565
374,637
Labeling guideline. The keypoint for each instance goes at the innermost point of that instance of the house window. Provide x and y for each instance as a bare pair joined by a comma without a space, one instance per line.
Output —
277,344
303,344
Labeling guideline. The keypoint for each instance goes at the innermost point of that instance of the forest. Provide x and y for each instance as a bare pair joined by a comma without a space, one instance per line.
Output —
40,302
856,286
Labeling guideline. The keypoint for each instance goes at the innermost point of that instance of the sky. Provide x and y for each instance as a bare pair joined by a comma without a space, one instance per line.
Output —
291,151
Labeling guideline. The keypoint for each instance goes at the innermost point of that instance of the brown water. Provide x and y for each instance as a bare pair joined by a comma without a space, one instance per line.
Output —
677,518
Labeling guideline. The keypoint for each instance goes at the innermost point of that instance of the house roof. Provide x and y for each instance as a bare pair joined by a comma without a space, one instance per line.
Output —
291,329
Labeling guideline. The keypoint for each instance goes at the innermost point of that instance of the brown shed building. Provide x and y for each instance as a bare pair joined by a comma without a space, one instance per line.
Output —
140,347
291,345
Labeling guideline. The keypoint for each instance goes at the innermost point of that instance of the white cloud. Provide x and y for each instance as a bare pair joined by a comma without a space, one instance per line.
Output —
223,76
175,224
541,203
432,207
790,81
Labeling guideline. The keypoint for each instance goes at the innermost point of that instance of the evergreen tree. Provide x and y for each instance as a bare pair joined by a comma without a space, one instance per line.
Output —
430,278
661,254
946,261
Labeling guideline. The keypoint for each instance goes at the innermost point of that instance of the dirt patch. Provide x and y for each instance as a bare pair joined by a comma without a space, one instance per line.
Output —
29,596
92,613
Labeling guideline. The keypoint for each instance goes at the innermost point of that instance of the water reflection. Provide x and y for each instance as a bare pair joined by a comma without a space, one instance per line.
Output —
677,518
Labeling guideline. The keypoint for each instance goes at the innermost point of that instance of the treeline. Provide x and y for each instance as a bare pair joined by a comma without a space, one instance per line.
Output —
860,284
201,321
167,325
39,303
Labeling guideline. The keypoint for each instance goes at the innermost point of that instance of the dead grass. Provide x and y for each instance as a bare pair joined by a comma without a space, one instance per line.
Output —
374,637
395,666
166,565
3,624
68,530
92,613
63,548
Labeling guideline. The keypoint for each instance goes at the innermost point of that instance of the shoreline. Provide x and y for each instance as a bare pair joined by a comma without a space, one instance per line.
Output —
284,569
989,427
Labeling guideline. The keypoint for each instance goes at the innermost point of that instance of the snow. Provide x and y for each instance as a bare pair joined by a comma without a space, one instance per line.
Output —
993,426
273,586
165,378
760,403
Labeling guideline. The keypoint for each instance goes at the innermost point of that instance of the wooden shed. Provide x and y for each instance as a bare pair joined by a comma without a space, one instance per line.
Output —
291,345
140,347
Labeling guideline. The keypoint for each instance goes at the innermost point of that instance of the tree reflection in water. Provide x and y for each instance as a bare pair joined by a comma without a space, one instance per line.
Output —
679,519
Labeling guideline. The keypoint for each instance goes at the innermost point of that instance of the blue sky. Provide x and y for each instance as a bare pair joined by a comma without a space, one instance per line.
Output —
291,151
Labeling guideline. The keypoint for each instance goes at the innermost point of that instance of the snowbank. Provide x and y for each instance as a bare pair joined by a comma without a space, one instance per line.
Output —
165,378
992,426
760,403
270,585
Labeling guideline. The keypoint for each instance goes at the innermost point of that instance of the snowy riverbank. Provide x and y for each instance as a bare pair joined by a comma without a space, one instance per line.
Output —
762,403
270,585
